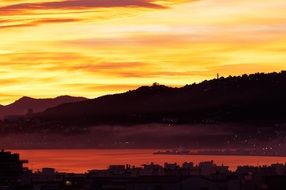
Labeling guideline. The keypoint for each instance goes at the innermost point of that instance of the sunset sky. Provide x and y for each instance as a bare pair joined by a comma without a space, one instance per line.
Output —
96,47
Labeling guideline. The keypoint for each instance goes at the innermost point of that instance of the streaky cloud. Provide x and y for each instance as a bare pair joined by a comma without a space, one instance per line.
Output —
78,4
39,22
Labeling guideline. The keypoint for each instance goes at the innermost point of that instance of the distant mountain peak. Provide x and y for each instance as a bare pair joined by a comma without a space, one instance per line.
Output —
69,97
65,96
22,100
20,106
26,98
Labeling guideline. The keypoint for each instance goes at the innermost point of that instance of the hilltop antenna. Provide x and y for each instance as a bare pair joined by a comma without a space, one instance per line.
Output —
217,75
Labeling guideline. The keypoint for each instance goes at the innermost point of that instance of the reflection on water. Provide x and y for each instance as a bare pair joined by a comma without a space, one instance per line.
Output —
81,160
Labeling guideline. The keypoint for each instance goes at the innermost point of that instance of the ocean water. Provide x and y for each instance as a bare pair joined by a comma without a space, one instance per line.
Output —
82,160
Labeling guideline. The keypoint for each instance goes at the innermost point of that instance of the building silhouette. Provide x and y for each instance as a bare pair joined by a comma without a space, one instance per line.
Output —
11,167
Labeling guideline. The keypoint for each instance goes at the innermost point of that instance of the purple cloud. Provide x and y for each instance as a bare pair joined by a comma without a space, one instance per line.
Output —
79,4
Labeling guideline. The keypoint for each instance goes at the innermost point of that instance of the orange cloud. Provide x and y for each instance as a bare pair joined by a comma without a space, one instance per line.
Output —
101,87
36,22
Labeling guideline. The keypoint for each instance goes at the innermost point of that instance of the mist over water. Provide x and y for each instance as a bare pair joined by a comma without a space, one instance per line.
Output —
141,136
146,136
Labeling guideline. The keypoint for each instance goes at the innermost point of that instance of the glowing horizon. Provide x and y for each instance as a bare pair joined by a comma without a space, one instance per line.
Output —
91,48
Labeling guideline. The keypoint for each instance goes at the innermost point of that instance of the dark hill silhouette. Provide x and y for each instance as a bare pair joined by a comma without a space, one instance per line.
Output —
248,98
26,104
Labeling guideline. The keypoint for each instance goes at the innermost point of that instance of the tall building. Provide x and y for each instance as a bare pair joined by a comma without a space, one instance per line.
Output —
11,167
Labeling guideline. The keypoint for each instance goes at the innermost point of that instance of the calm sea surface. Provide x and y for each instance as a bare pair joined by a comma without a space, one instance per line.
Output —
82,160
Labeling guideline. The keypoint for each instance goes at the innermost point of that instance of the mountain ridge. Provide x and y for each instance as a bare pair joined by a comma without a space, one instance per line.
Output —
255,97
27,104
